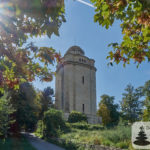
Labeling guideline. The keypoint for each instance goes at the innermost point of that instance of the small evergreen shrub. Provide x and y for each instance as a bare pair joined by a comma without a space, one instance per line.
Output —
75,116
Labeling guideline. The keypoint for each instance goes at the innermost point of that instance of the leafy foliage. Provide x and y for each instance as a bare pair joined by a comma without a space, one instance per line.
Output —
28,107
134,16
86,126
40,128
131,106
67,144
6,110
114,137
48,92
21,61
146,93
108,110
105,114
53,123
75,116
47,98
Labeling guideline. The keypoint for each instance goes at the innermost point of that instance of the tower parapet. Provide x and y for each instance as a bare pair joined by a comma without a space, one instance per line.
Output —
75,55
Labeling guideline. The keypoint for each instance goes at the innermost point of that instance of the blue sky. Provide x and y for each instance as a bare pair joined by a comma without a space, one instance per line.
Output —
81,30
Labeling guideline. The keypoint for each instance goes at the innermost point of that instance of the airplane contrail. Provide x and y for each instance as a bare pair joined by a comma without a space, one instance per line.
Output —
86,3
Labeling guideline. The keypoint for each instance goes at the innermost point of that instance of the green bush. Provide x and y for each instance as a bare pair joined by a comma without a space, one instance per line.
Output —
75,116
96,127
124,144
40,128
53,123
80,125
122,122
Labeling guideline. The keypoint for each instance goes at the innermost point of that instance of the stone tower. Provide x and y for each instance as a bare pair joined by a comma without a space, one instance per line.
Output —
76,84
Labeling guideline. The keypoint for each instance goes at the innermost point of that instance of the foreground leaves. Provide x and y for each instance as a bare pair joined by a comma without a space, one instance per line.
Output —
135,23
20,20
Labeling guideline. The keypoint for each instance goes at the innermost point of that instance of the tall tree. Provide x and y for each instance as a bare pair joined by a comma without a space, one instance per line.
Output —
104,112
48,93
6,110
134,17
28,107
107,104
21,60
146,93
131,106
46,100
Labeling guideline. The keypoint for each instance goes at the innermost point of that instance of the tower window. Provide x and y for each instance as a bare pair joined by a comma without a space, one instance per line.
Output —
83,108
83,79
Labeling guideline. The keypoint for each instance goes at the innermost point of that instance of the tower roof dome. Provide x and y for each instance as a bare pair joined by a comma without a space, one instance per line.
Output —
75,50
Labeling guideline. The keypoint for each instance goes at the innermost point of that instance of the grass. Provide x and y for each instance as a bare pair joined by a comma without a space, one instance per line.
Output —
117,137
79,134
16,143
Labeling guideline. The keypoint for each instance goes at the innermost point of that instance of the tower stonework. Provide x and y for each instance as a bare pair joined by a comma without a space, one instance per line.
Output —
76,84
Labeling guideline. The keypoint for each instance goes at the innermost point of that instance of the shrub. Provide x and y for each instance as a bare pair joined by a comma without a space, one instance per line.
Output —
67,144
53,123
96,127
86,126
122,122
40,127
75,116
107,143
80,125
123,144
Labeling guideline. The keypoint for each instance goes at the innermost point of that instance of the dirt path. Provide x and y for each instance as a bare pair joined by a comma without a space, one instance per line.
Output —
40,144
